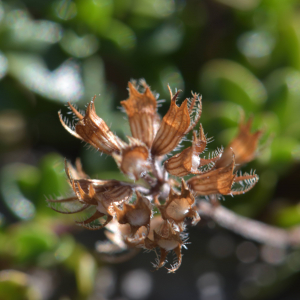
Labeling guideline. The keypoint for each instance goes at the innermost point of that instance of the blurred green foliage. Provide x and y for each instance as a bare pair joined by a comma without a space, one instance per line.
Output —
240,55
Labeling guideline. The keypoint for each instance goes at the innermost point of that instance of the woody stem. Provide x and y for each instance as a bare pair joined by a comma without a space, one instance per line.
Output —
252,229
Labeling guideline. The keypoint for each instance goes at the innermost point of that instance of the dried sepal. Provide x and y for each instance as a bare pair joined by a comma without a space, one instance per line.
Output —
69,205
116,233
120,239
166,239
244,145
216,181
98,194
188,161
213,157
179,206
93,222
136,215
104,198
244,183
134,159
195,110
89,191
93,130
68,128
173,127
141,110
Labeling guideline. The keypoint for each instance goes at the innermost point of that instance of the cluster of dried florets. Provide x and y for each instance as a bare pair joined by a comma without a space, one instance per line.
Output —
152,214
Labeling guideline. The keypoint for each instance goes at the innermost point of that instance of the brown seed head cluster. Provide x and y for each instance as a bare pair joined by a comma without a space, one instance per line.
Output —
151,212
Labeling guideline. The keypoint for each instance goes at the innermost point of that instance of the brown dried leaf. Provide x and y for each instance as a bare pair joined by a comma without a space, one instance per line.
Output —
141,110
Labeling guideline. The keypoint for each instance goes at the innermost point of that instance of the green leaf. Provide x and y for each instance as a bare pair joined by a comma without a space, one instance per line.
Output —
54,180
15,285
288,216
27,241
231,81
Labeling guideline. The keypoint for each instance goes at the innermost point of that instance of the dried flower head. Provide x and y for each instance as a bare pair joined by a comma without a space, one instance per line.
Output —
126,209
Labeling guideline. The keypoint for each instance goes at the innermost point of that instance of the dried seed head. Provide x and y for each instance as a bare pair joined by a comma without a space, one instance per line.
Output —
134,159
136,215
141,110
106,202
244,145
94,131
179,206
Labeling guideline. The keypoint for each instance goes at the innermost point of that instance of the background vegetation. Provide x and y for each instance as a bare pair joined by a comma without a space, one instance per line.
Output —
240,55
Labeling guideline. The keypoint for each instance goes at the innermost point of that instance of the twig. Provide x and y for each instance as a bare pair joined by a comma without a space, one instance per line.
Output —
252,229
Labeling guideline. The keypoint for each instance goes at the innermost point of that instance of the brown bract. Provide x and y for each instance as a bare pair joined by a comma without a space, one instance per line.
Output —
244,145
141,110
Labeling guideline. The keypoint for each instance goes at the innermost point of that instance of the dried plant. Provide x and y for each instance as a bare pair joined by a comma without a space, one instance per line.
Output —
151,212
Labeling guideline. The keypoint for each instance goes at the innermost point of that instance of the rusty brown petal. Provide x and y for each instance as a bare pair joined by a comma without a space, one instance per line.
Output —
244,145
188,161
93,130
173,127
134,159
141,110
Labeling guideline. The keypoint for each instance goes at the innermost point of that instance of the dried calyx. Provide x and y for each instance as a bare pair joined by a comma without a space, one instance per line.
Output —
152,212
